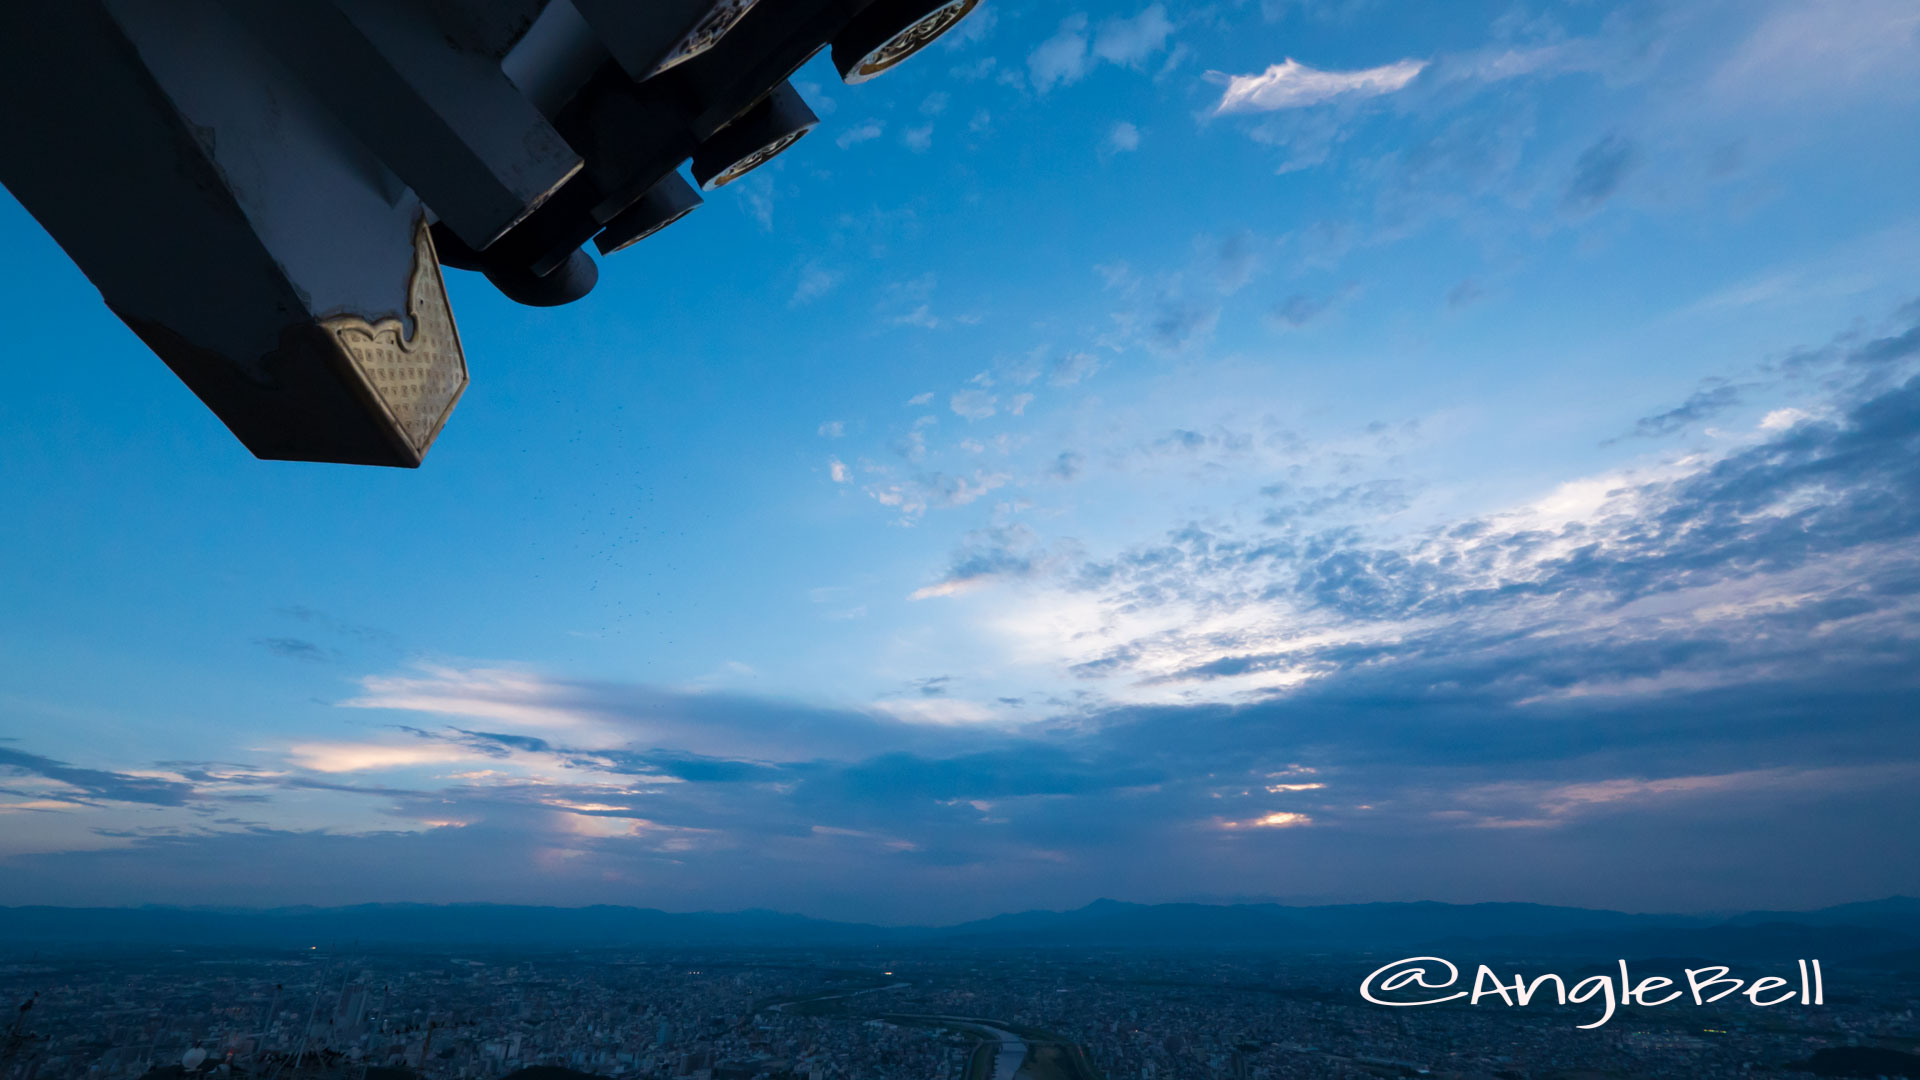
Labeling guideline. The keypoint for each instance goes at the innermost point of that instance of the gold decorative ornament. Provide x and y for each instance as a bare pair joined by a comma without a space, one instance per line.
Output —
416,379
911,40
756,159
706,33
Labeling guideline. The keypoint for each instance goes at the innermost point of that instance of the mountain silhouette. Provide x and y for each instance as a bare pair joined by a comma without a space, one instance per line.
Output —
1876,929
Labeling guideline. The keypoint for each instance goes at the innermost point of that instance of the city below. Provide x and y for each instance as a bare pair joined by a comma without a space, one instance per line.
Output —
1117,991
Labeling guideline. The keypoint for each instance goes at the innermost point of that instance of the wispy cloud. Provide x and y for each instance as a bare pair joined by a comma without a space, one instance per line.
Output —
297,649
73,782
1062,58
1815,56
366,756
991,555
1073,51
510,695
1129,42
1600,171
1175,312
865,131
815,282
972,404
1293,85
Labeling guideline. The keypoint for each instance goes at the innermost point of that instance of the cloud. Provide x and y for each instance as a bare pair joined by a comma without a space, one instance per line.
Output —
492,743
1599,172
913,496
913,299
1813,56
365,635
1122,138
1782,419
1129,42
935,686
1071,53
1175,312
1535,804
972,29
990,555
700,723
972,404
921,316
1277,819
865,131
1061,59
756,195
1236,259
1299,309
1072,368
1701,404
1415,784
815,282
1292,85
84,784
1566,699
913,444
833,429
297,649
1177,324
1332,11
1800,526
1449,141
1370,500
363,757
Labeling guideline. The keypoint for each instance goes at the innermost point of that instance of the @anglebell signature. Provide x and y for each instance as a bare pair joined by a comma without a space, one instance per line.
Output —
1411,981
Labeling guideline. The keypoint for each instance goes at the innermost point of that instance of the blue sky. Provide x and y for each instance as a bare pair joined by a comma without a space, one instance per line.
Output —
1301,450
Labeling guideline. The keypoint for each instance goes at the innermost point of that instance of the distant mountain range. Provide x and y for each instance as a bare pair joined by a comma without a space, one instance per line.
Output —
1882,929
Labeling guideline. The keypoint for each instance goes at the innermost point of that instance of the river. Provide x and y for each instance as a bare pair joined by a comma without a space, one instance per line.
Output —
1007,1059
1013,1051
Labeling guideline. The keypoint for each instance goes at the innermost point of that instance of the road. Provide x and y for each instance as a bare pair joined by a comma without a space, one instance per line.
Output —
782,1007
